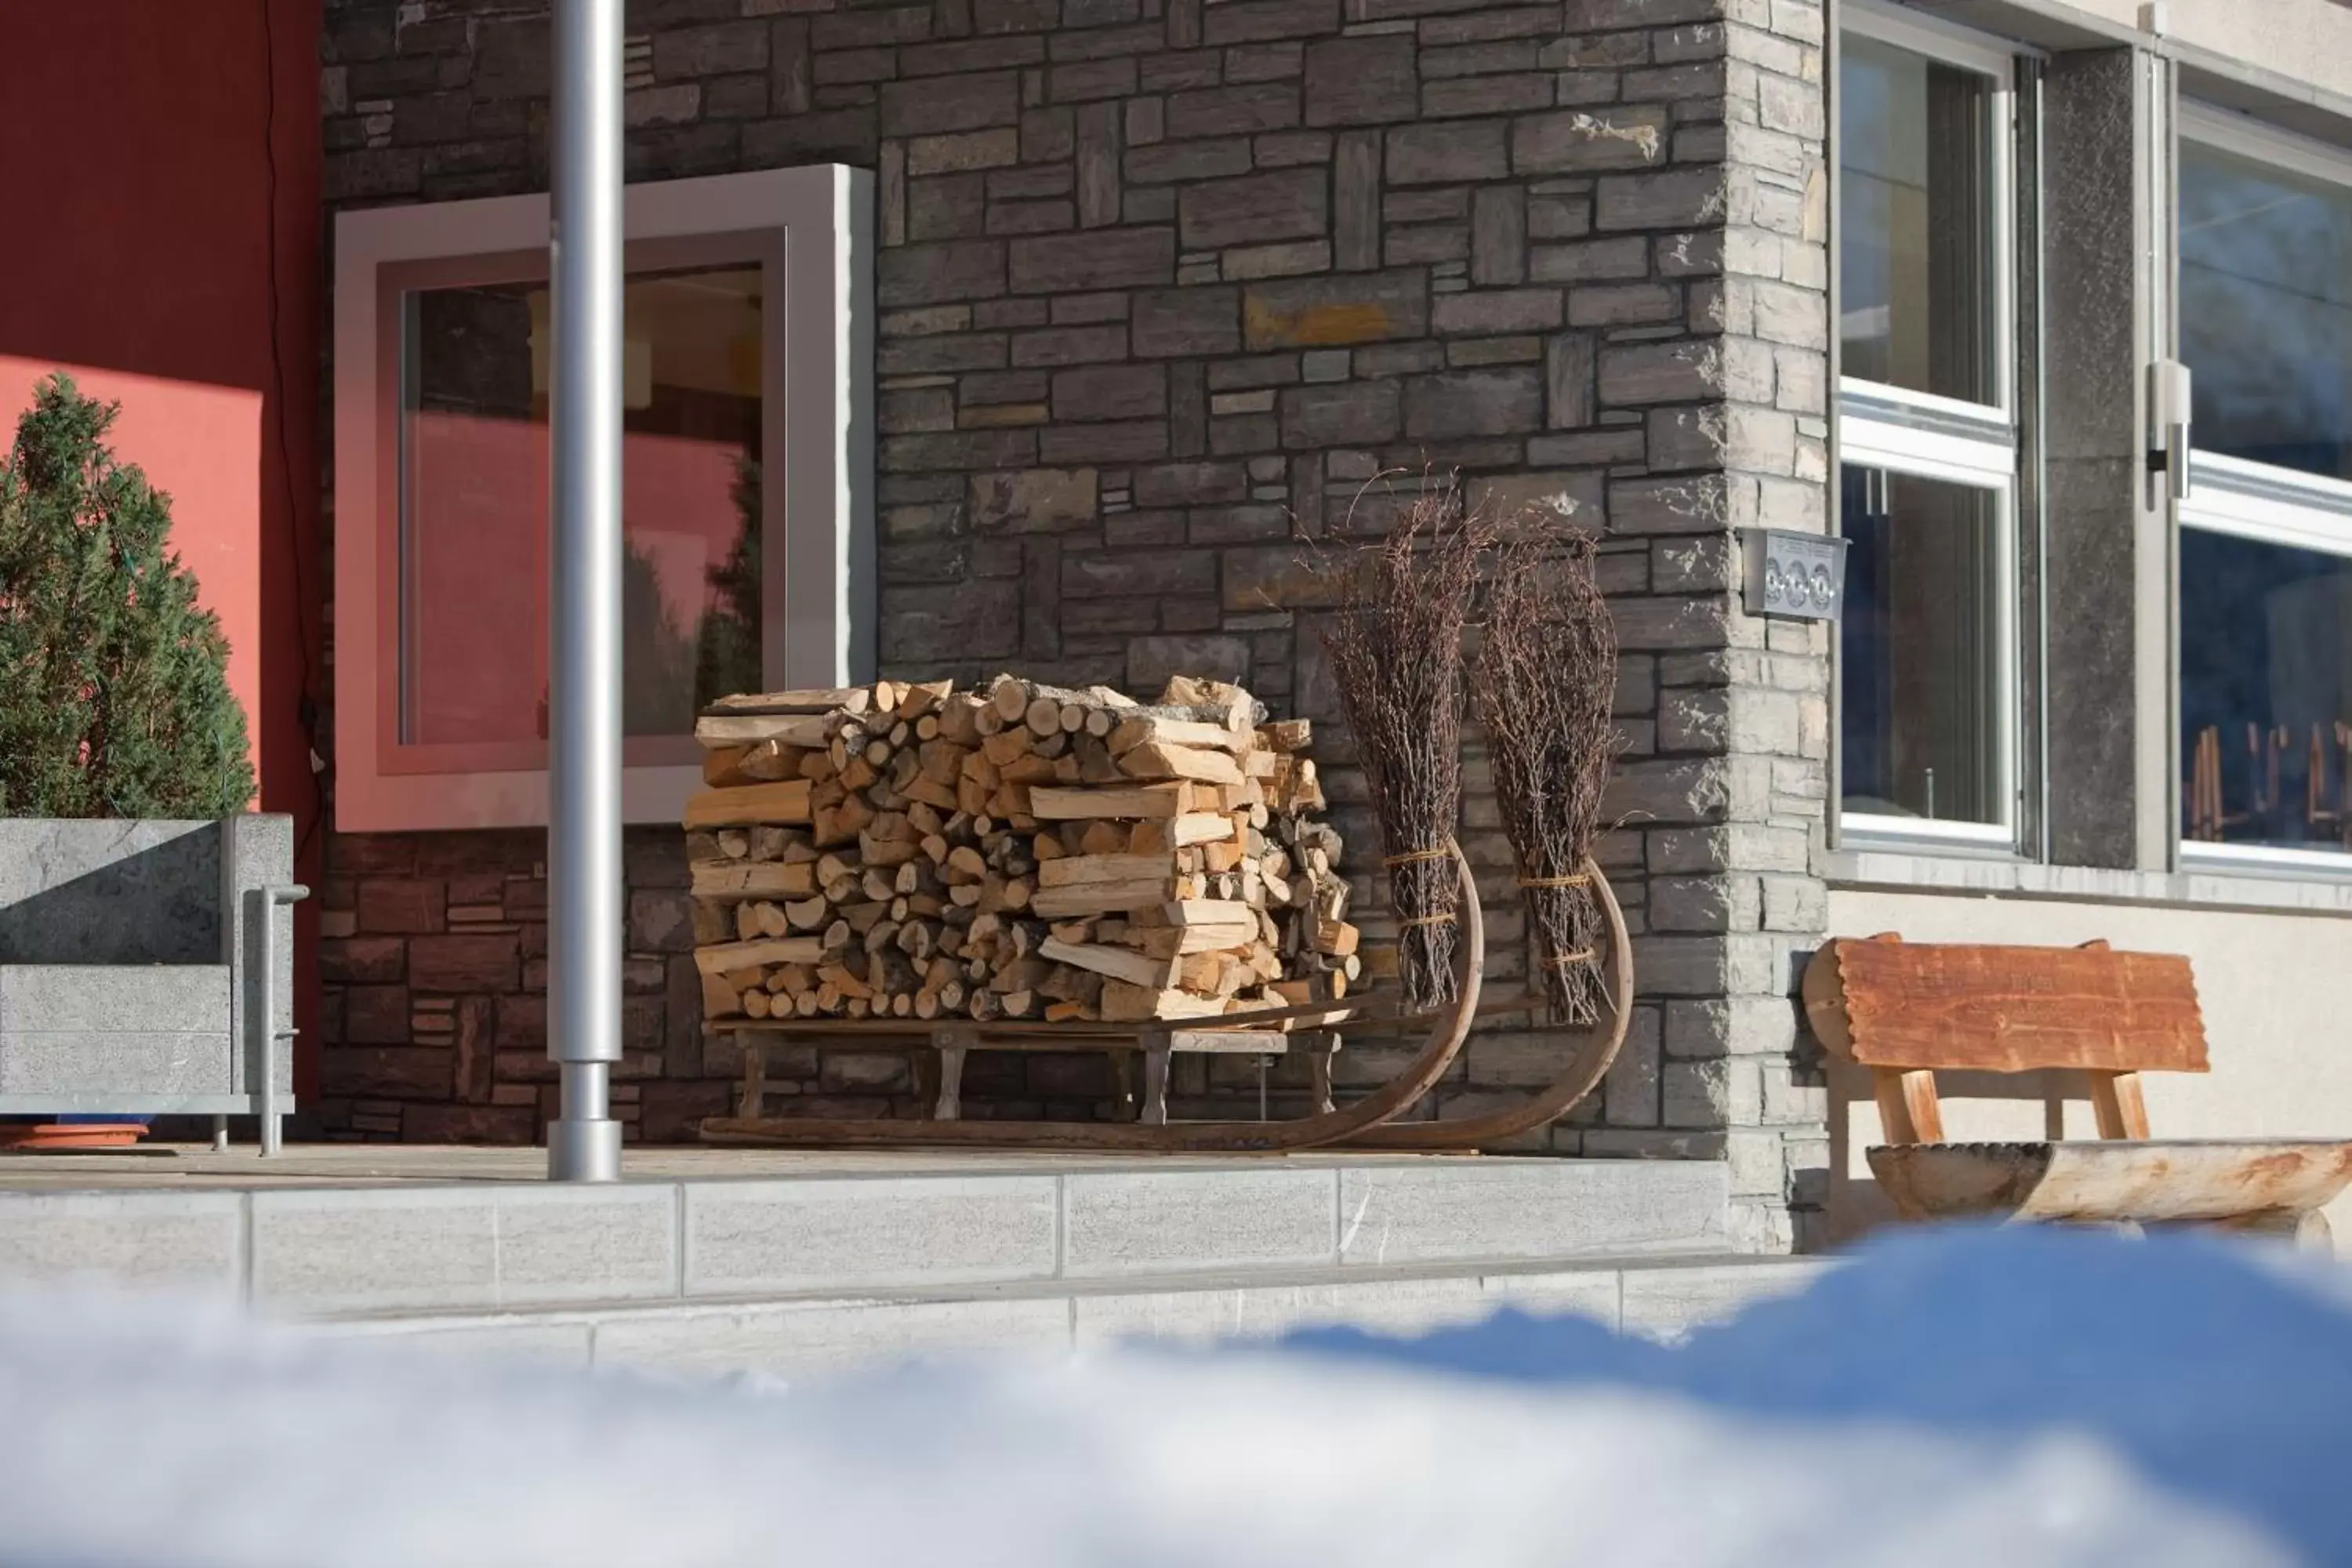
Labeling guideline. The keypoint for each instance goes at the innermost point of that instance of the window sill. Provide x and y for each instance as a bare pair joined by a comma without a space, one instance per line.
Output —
1915,870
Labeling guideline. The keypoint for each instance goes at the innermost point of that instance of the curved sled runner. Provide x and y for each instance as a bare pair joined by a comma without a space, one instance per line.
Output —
1448,1028
1577,1079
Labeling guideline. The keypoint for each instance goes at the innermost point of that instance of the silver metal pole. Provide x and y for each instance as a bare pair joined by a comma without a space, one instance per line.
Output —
265,903
583,823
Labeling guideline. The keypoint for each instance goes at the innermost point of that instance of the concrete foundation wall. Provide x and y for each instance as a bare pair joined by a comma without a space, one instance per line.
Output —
2277,991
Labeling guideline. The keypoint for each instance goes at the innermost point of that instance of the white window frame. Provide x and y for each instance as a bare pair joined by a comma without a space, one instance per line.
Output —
810,230
1937,437
2262,501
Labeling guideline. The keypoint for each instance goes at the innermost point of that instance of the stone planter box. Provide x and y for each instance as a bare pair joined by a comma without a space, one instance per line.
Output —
146,967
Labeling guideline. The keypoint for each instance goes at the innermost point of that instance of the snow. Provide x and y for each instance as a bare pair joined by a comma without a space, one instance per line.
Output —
2017,1397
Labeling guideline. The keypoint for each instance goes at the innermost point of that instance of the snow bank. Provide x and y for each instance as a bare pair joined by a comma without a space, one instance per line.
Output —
2219,1370
2018,1398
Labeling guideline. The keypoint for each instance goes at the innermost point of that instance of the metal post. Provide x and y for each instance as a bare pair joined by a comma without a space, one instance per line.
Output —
265,1033
583,823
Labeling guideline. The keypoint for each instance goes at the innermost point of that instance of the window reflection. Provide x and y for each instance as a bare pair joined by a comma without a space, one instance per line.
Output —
1919,692
1915,250
2265,693
2266,310
474,505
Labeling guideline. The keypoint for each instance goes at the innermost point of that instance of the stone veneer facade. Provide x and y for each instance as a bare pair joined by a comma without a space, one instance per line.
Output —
1161,283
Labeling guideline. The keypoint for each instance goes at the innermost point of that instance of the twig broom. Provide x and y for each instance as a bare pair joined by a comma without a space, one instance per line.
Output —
1396,655
1544,677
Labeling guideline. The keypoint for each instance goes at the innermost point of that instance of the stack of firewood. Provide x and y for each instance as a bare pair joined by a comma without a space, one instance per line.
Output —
1022,852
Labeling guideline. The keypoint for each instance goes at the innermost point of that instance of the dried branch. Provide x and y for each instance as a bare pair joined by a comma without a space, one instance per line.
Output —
1545,675
1396,653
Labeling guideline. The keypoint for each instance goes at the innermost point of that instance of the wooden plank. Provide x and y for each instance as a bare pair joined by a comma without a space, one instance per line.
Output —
1119,963
1183,941
1153,760
1200,828
784,800
1098,898
1015,1034
1129,733
2005,1009
1286,734
754,879
1208,913
1123,1002
806,730
1073,869
1143,800
818,700
734,955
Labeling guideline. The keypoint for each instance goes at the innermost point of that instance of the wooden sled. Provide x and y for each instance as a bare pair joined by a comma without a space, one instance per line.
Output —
1577,1079
1448,1028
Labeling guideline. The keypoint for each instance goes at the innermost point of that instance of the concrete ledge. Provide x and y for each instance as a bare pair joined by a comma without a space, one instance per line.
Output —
180,1241
379,1249
485,1246
1123,1224
851,1233
1654,1297
829,1336
1475,1210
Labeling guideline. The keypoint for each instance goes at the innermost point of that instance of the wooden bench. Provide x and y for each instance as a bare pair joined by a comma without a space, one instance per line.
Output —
1904,1010
939,1050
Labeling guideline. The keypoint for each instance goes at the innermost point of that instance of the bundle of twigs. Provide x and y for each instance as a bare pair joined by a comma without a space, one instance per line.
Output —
1544,674
1396,656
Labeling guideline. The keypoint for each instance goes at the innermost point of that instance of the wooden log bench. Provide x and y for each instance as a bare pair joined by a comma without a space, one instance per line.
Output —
1906,1010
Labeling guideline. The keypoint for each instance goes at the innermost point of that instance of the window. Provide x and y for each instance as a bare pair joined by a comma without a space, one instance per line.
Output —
746,448
2265,615
1921,710
1927,435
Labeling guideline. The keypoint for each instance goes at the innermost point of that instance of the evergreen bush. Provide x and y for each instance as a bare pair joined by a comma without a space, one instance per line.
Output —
114,697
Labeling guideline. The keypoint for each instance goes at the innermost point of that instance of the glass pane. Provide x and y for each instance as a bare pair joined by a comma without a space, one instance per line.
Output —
1919,671
2266,311
474,505
2265,693
1916,263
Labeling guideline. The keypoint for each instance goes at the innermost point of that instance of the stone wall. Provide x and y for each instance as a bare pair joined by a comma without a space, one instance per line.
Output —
1163,284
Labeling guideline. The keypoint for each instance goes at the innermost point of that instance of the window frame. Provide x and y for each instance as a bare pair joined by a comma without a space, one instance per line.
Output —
1929,435
809,230
2260,502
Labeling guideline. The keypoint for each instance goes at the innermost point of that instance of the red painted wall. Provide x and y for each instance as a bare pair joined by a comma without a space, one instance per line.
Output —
159,170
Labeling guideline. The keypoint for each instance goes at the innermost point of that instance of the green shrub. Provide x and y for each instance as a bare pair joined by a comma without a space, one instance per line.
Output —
114,697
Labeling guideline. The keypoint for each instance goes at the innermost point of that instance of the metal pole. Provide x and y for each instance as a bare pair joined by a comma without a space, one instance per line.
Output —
583,823
267,901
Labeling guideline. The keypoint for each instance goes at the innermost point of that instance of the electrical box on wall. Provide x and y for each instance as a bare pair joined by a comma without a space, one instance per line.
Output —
1800,576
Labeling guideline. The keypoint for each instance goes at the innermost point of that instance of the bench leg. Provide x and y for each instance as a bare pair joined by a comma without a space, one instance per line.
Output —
1908,1111
752,1103
220,1134
1155,1080
1318,1065
1122,1082
2115,1102
950,1106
